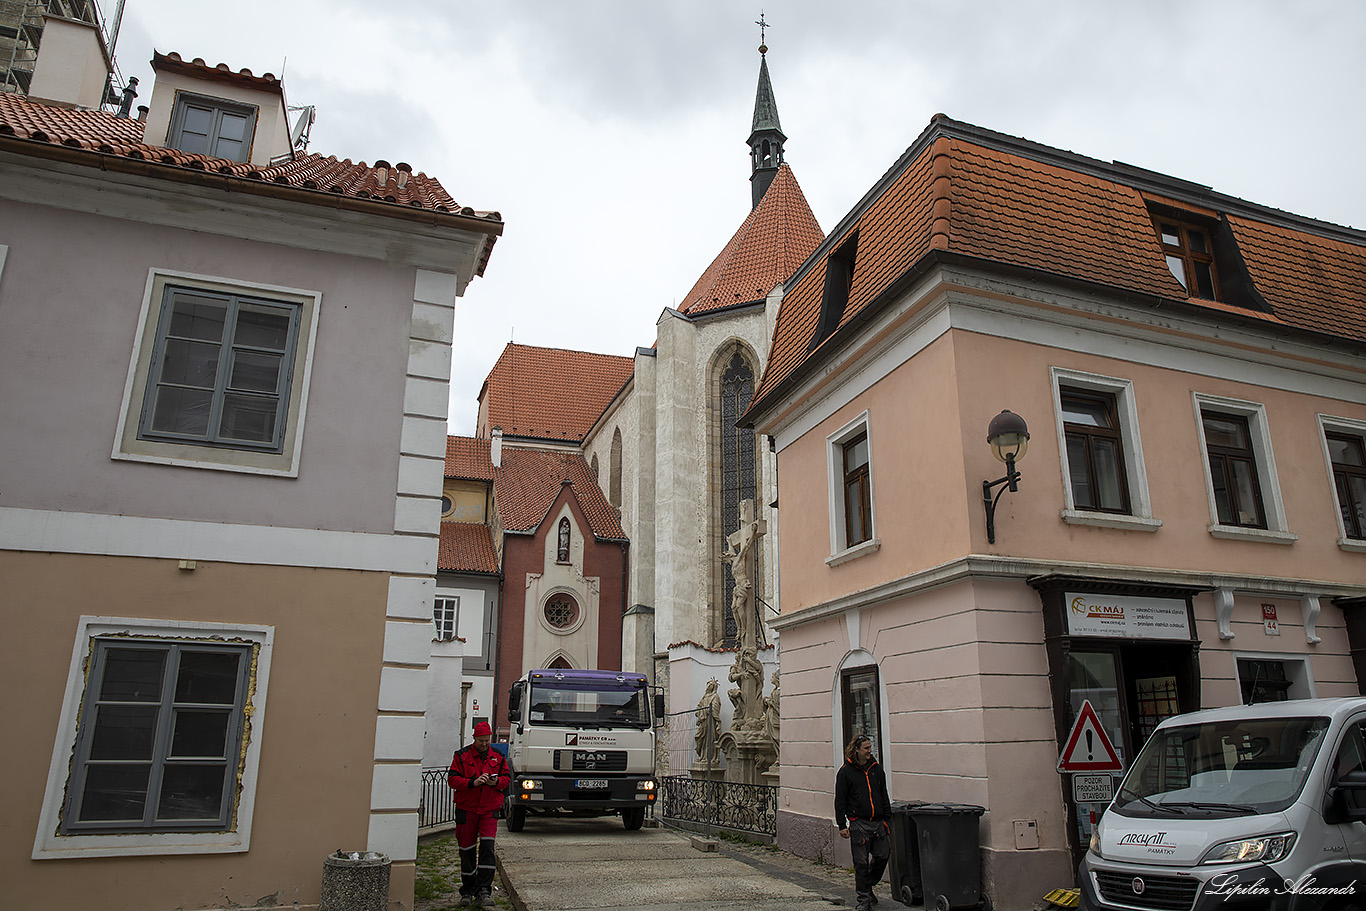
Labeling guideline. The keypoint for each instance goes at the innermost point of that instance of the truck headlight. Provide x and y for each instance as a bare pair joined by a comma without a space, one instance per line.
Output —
530,784
1094,847
647,785
1265,848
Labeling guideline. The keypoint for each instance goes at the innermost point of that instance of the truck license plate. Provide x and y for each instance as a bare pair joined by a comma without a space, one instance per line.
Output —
593,784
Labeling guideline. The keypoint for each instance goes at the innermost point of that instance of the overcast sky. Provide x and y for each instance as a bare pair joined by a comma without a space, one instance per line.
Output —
611,134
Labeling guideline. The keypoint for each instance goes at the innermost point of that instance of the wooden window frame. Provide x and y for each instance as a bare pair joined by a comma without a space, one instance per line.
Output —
1220,460
1354,527
1191,258
858,477
847,676
1088,435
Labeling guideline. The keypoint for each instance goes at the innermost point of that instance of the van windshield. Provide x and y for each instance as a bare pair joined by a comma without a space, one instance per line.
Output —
1221,768
589,705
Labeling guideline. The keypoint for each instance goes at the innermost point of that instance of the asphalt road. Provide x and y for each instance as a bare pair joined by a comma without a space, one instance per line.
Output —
596,865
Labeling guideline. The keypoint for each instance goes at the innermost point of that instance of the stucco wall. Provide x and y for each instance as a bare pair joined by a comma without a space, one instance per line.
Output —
66,333
317,741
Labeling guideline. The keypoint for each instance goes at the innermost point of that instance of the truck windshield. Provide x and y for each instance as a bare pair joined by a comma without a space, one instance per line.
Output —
578,705
1220,768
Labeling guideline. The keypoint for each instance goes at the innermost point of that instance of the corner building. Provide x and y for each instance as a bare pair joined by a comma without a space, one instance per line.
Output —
1187,530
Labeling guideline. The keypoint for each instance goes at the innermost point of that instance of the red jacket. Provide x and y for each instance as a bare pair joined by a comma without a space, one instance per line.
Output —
467,765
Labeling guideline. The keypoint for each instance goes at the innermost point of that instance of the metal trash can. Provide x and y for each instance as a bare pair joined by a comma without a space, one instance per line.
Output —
950,854
905,850
355,881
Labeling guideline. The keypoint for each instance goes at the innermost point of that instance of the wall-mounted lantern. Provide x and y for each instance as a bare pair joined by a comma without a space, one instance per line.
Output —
1008,437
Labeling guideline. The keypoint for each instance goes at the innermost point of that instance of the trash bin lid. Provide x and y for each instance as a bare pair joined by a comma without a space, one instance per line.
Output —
356,859
946,809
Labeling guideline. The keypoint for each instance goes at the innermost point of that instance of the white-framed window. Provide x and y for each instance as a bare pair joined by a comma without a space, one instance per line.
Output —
211,126
446,617
158,740
1104,478
1240,471
1344,452
853,520
1266,677
219,375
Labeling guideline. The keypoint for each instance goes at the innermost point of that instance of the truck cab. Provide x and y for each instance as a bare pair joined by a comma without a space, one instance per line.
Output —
582,742
1259,806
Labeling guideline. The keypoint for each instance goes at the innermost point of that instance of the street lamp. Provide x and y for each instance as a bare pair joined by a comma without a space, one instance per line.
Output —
1008,437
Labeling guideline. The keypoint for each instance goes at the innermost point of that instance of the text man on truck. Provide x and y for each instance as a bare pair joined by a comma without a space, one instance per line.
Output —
582,741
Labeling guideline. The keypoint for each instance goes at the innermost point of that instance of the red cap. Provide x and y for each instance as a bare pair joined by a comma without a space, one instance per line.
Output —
482,729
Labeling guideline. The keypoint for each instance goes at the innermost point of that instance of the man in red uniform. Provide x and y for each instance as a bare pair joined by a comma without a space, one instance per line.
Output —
480,777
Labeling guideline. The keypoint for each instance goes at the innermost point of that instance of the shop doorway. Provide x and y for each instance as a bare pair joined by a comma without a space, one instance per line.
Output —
1133,686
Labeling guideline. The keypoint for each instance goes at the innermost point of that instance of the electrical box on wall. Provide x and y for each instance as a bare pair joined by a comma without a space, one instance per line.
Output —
1026,834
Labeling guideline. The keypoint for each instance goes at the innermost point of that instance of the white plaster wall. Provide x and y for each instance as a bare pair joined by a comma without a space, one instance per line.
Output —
445,675
71,65
540,643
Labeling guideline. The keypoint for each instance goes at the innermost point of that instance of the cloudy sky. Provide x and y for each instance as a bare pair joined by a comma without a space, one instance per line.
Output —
610,133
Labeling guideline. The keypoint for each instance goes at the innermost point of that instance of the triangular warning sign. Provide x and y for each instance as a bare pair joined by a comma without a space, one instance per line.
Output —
1088,749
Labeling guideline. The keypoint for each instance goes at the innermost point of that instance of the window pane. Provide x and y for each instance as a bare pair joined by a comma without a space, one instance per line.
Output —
207,678
254,371
1223,505
199,734
1178,267
194,143
190,363
198,120
1171,234
191,792
1107,474
262,327
1197,240
114,792
855,454
229,149
1245,482
1204,280
132,675
249,418
1229,433
124,732
861,703
1083,497
182,411
854,513
1357,507
232,126
198,317
1345,451
1087,412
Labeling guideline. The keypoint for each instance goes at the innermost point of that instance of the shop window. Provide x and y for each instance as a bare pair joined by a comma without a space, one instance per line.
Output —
446,617
1347,456
861,709
1240,471
852,521
1190,256
1273,679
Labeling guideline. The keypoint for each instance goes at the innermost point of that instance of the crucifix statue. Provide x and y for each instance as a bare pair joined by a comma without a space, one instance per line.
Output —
740,545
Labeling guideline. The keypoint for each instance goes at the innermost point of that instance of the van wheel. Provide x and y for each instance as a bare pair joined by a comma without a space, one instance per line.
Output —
633,817
516,819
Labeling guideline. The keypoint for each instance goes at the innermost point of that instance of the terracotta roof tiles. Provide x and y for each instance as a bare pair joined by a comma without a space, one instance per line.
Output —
551,393
467,458
466,548
529,481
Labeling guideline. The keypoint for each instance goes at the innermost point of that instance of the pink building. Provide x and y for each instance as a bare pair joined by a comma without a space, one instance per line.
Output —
1189,526
224,367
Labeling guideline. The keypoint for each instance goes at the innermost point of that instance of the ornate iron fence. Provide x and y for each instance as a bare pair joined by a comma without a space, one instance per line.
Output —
437,808
722,804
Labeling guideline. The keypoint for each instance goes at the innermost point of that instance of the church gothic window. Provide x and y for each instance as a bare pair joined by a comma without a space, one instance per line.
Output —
614,471
737,466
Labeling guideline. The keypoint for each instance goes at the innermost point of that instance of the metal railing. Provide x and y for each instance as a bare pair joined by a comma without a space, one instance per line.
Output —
692,790
437,809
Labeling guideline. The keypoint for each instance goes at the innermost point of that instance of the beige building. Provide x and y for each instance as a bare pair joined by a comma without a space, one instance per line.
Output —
217,592
1188,525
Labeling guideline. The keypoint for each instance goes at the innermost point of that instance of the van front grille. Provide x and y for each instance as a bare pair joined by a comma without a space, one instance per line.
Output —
1152,893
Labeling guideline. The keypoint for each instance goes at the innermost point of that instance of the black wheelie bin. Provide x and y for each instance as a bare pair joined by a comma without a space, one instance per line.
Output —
950,856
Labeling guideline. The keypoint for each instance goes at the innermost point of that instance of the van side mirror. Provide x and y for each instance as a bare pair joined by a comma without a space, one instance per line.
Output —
659,707
515,702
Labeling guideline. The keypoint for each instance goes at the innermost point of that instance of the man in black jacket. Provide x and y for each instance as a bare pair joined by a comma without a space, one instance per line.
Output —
862,810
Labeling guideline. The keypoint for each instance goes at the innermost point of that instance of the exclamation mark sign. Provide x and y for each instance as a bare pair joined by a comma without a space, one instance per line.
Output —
1090,747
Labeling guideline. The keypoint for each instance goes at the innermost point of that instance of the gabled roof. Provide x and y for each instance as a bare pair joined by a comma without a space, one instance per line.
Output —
529,481
550,393
107,143
967,193
774,239
222,73
466,548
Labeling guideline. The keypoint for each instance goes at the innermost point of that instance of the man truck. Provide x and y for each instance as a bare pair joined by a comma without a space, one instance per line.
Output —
582,742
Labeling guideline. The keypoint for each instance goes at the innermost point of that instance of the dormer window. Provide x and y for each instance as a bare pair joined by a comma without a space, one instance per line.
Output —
839,278
1190,256
212,127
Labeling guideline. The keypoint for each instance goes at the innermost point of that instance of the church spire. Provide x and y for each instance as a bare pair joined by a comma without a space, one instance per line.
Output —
766,135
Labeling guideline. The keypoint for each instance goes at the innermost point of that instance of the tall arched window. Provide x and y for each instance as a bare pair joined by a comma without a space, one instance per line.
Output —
562,549
614,469
594,466
737,465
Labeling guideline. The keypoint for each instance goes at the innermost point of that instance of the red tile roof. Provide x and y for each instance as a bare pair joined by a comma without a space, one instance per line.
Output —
222,73
466,548
775,238
967,191
99,140
529,481
467,458
550,393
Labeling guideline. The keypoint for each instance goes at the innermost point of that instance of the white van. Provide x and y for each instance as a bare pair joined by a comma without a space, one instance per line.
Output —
1254,806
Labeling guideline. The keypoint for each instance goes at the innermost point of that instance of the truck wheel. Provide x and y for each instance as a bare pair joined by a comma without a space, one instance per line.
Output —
516,819
633,817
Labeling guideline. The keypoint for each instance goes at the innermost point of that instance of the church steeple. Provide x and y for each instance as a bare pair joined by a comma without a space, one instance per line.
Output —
766,135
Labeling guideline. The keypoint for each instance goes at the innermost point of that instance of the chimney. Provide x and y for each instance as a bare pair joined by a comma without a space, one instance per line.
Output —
142,113
496,447
130,91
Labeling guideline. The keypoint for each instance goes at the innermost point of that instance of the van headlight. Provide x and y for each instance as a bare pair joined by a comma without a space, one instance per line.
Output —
1265,848
530,784
1094,847
646,785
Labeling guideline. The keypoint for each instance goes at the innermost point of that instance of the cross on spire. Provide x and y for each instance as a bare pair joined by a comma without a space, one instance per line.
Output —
763,27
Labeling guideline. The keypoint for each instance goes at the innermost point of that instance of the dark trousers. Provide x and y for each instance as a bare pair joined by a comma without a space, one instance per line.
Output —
475,837
871,847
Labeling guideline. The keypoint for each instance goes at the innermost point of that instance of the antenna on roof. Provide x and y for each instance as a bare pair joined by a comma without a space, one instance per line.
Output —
298,137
